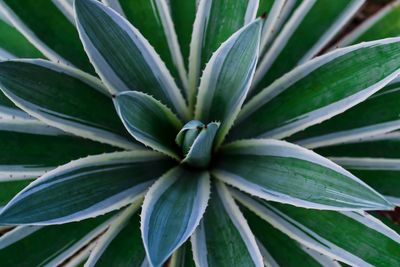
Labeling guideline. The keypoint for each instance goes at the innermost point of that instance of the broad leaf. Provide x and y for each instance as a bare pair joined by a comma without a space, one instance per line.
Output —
153,19
183,257
279,249
223,237
376,115
49,245
122,244
86,188
13,43
45,25
171,211
123,58
309,30
29,148
279,171
227,78
216,21
60,97
382,24
10,187
357,239
319,89
149,121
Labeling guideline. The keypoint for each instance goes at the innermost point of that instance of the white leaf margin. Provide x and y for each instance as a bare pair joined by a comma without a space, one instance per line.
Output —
157,190
321,114
107,74
198,242
270,147
309,238
114,202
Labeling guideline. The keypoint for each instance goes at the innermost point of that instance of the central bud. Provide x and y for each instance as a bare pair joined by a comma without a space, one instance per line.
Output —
196,141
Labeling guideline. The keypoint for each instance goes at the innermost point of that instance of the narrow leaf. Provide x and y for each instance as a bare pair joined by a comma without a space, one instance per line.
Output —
227,78
283,172
85,188
357,239
215,22
382,111
29,149
223,237
319,89
279,249
121,245
320,24
46,27
59,96
123,58
382,24
50,244
149,121
171,211
153,20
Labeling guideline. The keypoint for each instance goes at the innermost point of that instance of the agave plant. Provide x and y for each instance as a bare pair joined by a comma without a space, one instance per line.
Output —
130,137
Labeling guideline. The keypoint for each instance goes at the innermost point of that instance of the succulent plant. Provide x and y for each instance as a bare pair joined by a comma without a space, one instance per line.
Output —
198,133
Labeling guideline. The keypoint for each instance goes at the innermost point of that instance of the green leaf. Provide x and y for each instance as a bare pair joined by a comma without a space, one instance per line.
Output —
183,13
357,239
319,89
223,237
29,148
215,22
49,245
383,24
153,19
122,244
59,96
279,249
86,188
49,30
309,30
123,58
149,121
382,111
183,257
227,78
279,171
171,211
196,140
13,43
10,187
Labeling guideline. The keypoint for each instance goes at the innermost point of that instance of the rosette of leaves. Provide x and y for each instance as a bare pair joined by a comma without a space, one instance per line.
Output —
179,132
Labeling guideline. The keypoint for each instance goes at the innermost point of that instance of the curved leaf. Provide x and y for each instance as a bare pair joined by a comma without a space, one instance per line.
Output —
223,237
385,23
29,149
149,121
153,19
57,38
13,43
227,78
319,89
171,211
376,115
121,245
183,13
60,97
279,171
320,23
85,188
338,235
215,22
123,58
51,245
280,250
